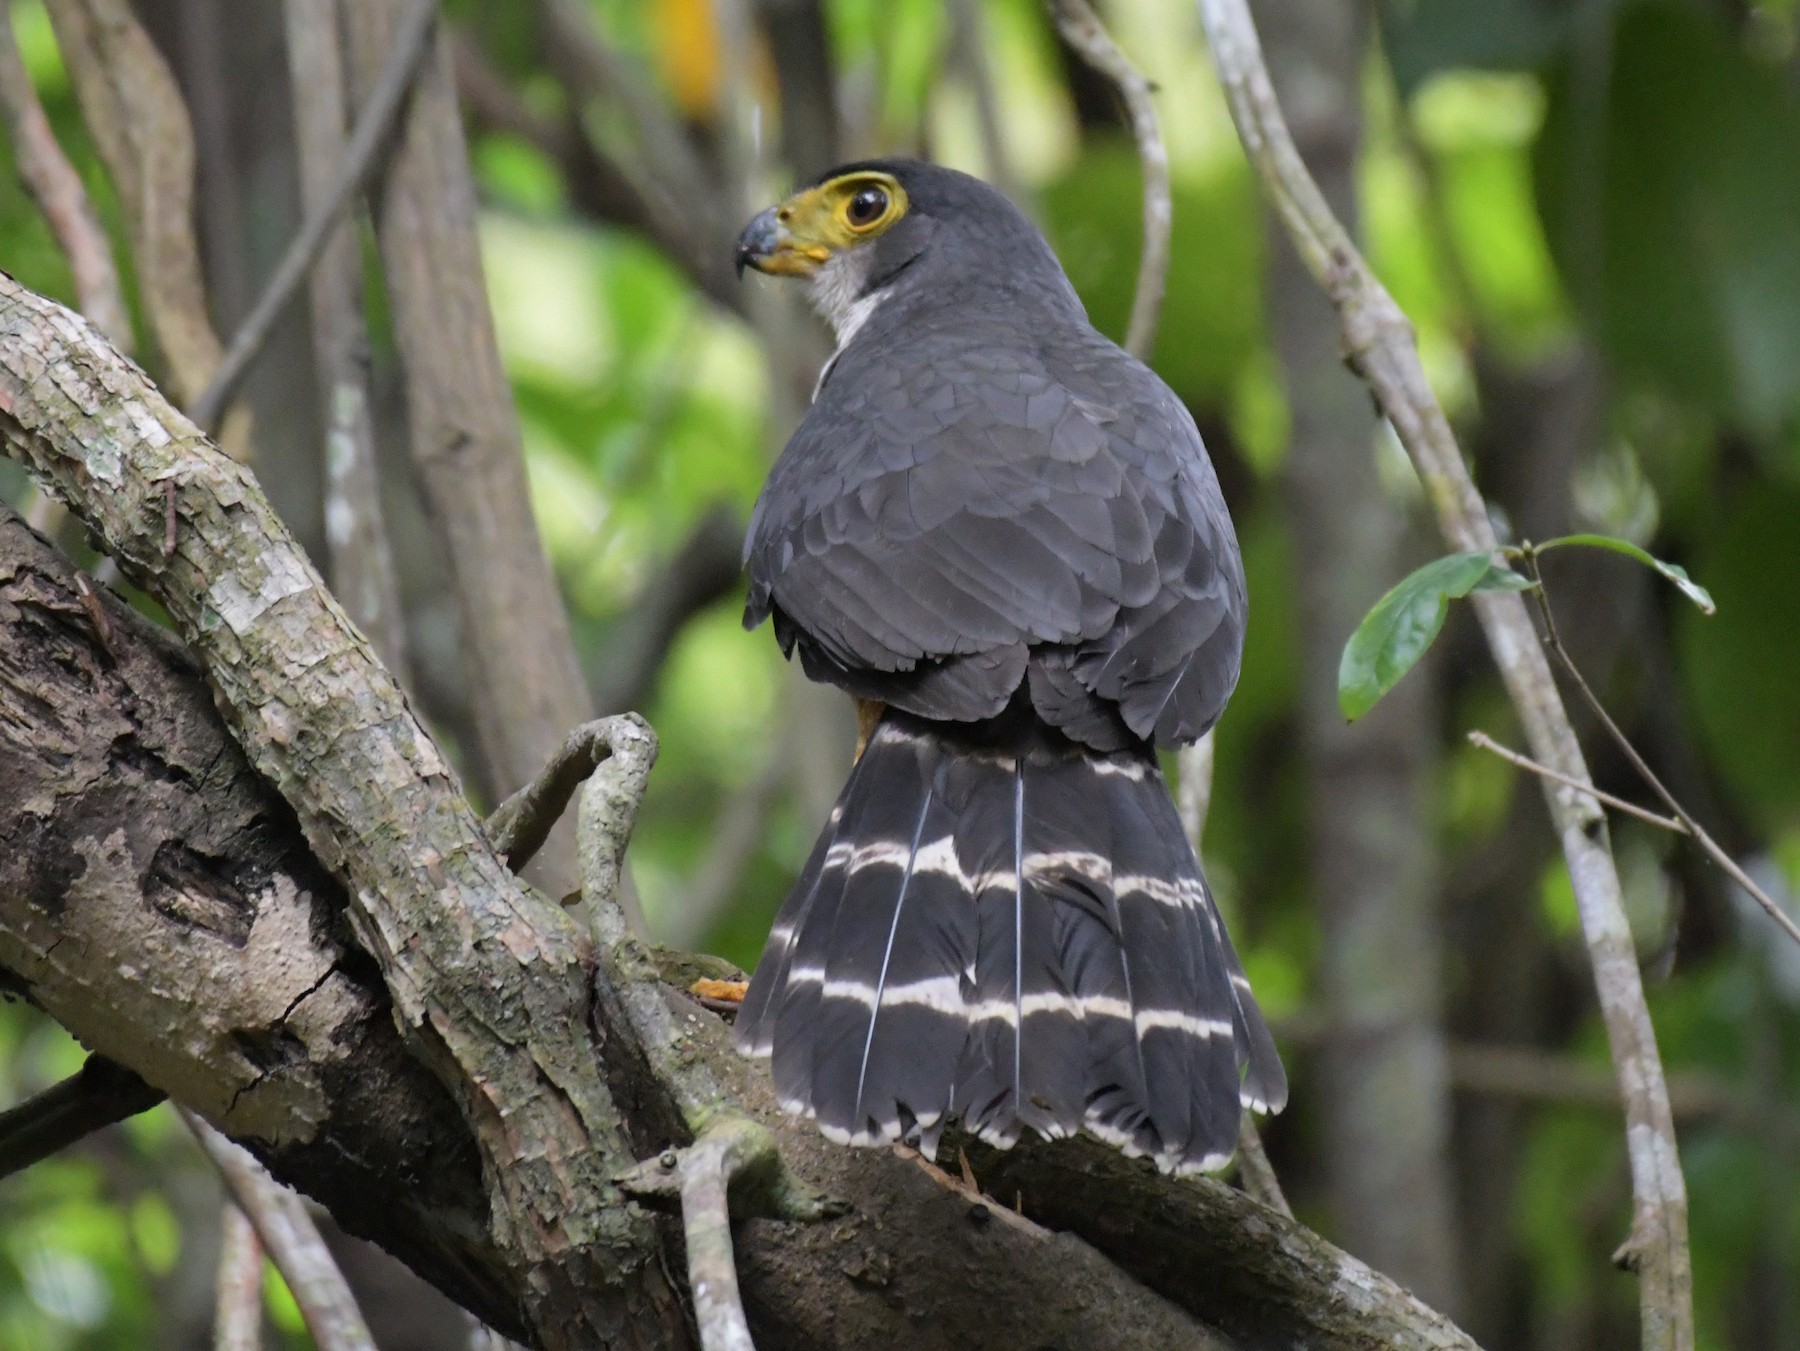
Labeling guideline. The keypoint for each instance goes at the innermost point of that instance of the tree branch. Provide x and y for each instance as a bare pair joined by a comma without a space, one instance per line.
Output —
288,1234
99,1094
486,977
1082,30
526,684
1380,347
374,126
60,194
250,1008
237,1311
362,561
133,109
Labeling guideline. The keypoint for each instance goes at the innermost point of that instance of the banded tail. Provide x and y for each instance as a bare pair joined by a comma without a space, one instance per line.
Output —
1003,926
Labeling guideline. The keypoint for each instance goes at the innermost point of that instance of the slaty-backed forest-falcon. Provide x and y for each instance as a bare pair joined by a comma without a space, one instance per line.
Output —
1002,535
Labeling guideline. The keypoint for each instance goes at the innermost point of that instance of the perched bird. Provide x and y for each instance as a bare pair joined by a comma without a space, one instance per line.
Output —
1002,535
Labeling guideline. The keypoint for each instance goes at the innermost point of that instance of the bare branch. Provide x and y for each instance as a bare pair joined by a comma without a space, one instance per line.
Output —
526,685
362,563
1082,30
134,110
1485,742
293,1243
237,1311
97,1095
1688,825
1534,1075
60,194
701,1176
374,125
1380,347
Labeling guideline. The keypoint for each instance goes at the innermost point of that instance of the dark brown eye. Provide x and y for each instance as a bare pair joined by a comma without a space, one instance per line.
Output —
867,207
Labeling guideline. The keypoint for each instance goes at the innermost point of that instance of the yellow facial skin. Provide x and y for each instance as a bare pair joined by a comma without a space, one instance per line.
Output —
796,238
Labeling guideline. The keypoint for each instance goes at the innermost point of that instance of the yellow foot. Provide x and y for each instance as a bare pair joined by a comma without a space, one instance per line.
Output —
713,992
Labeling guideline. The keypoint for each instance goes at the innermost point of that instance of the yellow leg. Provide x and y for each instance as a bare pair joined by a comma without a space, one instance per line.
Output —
868,714
725,991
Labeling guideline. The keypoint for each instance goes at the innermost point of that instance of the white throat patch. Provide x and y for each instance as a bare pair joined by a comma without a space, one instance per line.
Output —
834,290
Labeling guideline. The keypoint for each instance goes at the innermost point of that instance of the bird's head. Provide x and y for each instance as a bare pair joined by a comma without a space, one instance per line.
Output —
864,232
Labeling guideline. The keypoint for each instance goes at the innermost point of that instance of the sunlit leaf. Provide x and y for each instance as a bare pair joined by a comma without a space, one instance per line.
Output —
1674,572
1405,622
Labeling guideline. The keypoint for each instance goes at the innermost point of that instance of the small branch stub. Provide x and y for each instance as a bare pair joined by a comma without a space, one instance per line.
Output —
734,1159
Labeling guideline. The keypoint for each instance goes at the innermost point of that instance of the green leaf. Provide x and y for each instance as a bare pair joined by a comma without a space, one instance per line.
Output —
1405,622
1674,572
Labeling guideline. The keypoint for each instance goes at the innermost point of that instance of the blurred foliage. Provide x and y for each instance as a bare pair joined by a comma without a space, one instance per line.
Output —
1537,180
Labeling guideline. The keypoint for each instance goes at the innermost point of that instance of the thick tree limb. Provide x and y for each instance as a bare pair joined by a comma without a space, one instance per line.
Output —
486,976
1379,345
249,1007
1206,1246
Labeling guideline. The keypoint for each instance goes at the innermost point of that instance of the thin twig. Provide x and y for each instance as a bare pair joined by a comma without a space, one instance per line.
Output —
1193,796
293,1242
1379,345
732,1163
1081,29
57,188
373,125
1531,1074
712,1267
98,1094
1685,821
1255,1174
237,1311
1487,743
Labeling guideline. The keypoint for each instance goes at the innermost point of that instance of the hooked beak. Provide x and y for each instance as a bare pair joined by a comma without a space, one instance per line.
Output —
769,246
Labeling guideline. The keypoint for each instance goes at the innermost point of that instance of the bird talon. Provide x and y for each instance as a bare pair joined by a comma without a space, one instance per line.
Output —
721,991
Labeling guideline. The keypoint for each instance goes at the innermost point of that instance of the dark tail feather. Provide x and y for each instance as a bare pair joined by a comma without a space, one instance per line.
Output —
1005,927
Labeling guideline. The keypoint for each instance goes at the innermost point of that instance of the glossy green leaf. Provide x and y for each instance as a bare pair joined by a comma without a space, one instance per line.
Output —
1406,621
1674,572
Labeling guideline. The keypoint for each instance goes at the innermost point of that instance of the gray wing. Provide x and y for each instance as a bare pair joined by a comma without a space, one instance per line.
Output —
959,515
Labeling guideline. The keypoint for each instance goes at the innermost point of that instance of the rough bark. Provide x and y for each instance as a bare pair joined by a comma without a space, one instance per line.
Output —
1383,1068
135,838
468,959
526,684
488,978
248,1005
